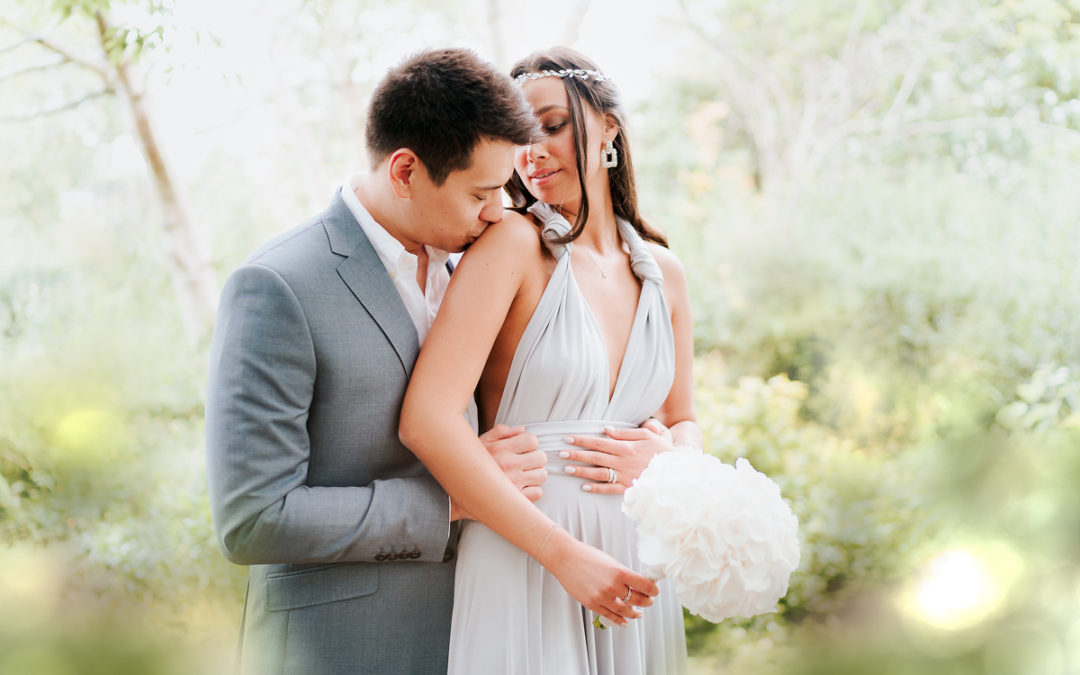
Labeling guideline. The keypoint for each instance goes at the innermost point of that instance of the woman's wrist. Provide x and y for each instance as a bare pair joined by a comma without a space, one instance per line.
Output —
540,551
554,548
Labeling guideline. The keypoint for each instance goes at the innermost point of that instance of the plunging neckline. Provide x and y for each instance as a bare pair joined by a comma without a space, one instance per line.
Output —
611,388
562,368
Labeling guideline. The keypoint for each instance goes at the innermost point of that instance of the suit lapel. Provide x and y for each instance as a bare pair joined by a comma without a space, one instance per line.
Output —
366,276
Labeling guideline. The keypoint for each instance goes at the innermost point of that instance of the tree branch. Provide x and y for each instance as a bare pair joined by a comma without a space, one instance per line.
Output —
41,39
101,70
15,45
573,22
51,111
495,26
30,69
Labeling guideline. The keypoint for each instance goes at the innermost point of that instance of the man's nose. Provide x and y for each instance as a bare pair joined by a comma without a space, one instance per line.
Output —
493,210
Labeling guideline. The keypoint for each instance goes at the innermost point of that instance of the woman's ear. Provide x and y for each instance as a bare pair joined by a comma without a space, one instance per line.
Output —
611,128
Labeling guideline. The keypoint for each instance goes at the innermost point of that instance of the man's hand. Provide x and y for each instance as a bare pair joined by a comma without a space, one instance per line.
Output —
517,454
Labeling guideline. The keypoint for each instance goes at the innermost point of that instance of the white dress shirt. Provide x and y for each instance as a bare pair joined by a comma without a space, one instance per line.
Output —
401,266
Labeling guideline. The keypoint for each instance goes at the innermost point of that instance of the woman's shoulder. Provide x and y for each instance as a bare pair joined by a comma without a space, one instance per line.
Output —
668,262
516,232
515,238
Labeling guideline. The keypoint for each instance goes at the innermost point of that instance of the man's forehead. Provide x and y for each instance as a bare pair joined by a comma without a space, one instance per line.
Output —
490,165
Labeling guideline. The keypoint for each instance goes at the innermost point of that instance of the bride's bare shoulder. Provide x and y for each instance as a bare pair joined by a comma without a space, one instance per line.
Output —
515,235
669,263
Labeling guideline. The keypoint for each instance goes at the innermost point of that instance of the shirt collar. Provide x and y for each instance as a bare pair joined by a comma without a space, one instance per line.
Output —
389,249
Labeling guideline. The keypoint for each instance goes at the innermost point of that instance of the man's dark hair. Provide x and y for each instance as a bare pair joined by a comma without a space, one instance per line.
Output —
440,103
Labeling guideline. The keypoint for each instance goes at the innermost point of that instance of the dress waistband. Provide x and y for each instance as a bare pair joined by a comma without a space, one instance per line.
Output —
551,434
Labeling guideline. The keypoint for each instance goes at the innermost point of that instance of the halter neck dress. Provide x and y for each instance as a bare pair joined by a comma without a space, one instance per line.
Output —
510,614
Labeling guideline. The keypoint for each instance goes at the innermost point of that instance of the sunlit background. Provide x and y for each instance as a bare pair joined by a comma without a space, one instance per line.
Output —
875,201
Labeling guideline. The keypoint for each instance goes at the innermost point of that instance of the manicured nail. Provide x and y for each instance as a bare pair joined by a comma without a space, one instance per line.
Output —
609,430
564,454
570,469
586,487
568,439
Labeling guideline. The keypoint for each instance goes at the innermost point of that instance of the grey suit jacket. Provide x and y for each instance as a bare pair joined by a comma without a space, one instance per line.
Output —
345,531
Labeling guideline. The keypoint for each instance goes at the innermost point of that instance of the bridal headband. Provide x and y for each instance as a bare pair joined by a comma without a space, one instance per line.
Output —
572,72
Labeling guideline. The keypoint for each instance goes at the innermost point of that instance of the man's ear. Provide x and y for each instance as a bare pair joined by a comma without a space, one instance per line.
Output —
402,167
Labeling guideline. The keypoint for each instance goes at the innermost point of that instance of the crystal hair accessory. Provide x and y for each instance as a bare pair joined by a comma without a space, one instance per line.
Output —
572,72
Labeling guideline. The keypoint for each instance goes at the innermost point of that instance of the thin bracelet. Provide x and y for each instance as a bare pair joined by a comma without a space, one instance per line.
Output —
541,551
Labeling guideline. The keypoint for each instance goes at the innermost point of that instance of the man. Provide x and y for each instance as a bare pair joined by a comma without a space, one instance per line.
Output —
347,535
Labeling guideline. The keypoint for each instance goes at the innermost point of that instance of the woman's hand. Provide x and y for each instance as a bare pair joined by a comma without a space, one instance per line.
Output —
599,582
625,451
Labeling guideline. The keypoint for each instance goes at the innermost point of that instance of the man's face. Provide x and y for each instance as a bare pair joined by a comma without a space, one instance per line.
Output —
455,213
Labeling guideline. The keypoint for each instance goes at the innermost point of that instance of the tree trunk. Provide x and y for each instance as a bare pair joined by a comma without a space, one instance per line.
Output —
192,276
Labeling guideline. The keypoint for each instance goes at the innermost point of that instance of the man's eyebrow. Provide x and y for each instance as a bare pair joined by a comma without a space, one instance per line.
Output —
485,188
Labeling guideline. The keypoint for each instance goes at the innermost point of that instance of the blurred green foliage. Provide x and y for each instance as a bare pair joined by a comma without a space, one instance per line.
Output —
875,206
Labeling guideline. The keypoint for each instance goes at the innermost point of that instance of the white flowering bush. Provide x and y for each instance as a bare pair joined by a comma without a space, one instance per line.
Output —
722,534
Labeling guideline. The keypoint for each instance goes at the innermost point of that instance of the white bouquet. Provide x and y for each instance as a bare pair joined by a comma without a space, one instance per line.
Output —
722,534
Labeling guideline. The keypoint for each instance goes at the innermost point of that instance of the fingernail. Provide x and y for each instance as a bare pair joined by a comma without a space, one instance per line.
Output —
609,430
568,439
570,469
586,487
564,454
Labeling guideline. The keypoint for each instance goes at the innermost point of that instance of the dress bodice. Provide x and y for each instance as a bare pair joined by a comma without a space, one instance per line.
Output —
560,369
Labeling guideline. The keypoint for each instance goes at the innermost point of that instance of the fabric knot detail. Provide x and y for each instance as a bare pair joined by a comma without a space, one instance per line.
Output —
554,227
641,259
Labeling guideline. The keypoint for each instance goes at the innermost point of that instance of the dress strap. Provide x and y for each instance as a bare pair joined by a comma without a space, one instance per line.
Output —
641,258
554,226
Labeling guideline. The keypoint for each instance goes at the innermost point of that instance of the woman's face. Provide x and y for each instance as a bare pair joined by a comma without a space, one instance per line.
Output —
549,168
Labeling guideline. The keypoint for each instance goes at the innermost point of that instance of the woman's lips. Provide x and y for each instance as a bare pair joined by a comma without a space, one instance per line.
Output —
543,176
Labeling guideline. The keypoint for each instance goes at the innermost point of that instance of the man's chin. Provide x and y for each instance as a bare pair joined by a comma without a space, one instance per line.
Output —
468,242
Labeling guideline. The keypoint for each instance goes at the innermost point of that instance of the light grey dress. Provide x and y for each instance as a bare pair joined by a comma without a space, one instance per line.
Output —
510,614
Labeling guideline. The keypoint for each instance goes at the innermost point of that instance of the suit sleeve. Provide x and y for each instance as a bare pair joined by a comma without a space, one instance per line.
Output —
259,394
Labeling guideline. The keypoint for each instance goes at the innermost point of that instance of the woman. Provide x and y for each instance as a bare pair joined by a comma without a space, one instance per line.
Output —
583,332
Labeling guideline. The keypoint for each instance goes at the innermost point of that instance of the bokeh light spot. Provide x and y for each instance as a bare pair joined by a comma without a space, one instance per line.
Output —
88,434
29,589
961,588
